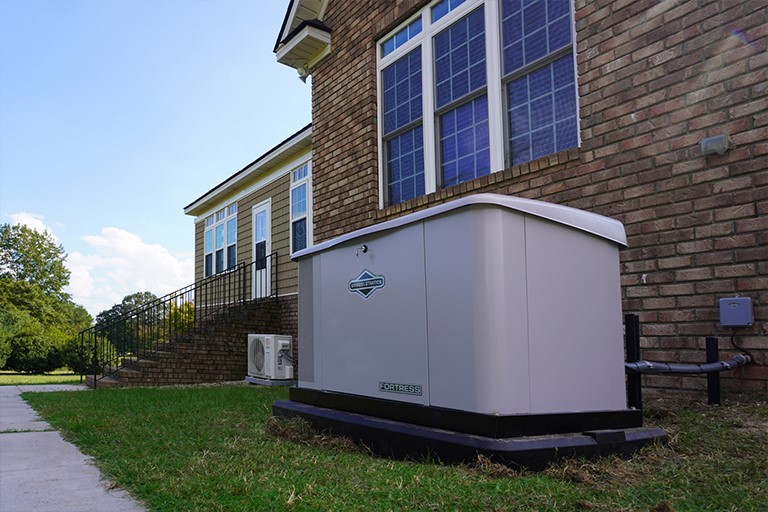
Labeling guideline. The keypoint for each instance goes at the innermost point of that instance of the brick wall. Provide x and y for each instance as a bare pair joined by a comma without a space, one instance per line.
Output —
654,79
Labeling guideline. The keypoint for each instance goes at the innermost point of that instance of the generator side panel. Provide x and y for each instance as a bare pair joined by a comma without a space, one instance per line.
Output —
575,324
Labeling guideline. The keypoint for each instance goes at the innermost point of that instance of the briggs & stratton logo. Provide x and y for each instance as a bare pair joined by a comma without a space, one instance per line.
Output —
366,283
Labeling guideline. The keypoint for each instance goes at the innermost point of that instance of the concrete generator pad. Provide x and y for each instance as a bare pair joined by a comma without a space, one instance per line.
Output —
40,471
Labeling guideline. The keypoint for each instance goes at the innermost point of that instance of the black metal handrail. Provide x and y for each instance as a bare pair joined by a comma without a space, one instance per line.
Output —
156,326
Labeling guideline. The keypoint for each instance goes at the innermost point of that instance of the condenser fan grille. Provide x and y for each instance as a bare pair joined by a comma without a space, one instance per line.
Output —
258,355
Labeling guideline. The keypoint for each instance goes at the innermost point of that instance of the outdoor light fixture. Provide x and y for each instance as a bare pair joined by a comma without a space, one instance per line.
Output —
304,72
718,144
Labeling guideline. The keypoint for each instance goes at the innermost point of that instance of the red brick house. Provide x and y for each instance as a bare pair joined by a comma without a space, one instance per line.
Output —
600,105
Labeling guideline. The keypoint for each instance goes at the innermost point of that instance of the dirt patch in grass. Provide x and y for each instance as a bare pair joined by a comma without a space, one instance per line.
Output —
299,430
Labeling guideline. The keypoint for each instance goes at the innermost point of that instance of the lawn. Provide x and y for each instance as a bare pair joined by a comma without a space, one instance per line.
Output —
217,448
64,376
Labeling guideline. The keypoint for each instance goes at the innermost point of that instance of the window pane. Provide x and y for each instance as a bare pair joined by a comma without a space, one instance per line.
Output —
301,173
299,234
542,111
405,163
261,226
299,201
388,47
208,265
401,37
566,134
209,240
402,91
231,231
460,59
402,104
231,256
465,143
443,8
533,29
219,260
219,236
261,255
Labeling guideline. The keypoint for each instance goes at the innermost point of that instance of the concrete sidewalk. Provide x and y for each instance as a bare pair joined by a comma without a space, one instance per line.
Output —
41,472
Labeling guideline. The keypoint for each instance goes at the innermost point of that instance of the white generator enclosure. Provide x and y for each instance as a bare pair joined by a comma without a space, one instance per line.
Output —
269,356
488,304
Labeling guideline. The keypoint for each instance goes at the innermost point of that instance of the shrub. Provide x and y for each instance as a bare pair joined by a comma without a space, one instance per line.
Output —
34,349
5,350
7,329
78,357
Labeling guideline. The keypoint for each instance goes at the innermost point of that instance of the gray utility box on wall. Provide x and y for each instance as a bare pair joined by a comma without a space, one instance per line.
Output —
488,304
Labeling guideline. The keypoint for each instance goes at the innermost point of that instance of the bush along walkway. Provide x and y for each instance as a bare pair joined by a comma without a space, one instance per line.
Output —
40,471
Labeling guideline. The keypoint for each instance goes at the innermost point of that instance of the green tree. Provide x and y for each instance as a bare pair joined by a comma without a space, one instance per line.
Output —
37,318
129,303
78,318
137,300
9,321
27,255
181,317
31,347
46,309
125,337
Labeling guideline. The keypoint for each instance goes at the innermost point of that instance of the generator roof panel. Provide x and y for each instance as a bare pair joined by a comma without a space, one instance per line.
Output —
598,225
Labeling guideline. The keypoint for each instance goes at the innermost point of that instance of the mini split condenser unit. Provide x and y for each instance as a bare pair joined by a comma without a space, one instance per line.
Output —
269,356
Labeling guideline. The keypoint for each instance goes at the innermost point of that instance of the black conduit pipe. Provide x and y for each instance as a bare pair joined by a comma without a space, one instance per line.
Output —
719,366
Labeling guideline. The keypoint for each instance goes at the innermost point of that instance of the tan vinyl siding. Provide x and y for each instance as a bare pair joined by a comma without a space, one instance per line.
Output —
278,192
199,256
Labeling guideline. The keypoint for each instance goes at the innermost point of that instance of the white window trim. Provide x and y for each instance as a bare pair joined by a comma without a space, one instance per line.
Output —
295,184
495,88
227,216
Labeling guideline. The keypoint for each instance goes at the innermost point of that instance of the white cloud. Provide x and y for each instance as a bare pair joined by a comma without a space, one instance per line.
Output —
121,263
34,221
117,263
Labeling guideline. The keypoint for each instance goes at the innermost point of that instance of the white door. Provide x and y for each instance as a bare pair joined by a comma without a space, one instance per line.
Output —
262,247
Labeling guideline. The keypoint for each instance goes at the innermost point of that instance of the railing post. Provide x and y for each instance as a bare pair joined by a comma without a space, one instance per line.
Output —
244,270
634,379
82,355
95,357
713,378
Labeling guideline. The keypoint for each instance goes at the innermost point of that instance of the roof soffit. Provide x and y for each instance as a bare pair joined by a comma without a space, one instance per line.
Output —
296,145
303,39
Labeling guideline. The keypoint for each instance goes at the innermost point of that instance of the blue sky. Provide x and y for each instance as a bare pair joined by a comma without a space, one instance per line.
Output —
115,114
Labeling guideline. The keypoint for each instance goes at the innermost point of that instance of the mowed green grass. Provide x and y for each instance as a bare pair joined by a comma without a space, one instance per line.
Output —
216,448
8,378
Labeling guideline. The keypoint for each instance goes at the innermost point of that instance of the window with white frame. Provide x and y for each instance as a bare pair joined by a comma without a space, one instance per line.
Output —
301,207
220,241
469,87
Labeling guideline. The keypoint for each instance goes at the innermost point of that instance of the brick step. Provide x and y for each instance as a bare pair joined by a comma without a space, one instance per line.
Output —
126,373
103,382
